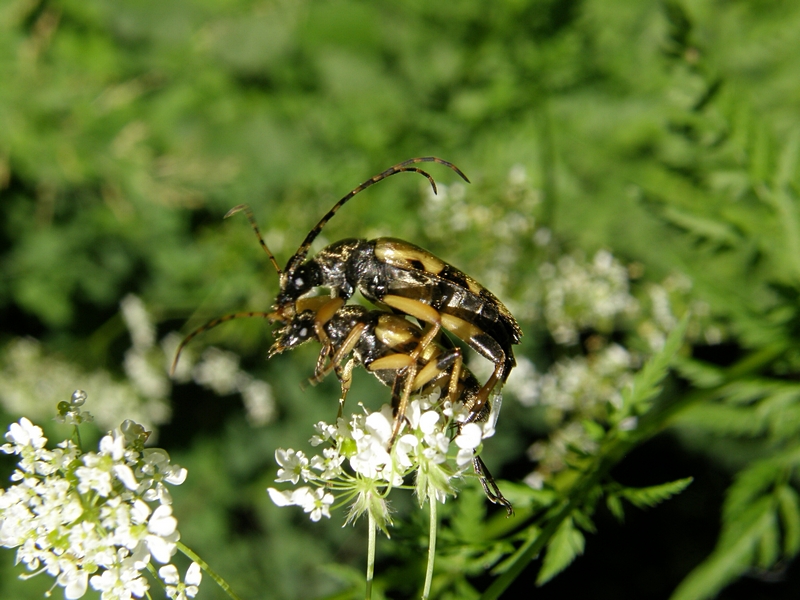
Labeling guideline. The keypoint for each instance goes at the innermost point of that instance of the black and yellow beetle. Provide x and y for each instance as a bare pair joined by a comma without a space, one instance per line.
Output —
384,343
404,277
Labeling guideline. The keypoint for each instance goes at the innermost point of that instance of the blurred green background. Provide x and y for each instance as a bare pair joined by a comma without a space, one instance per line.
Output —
665,133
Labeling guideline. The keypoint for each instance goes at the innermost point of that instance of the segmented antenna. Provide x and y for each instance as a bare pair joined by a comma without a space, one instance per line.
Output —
210,325
251,217
402,167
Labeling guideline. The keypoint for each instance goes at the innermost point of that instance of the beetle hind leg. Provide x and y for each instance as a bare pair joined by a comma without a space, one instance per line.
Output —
489,485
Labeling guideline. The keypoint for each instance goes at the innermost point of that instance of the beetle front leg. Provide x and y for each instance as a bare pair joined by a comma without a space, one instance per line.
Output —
347,346
345,376
325,313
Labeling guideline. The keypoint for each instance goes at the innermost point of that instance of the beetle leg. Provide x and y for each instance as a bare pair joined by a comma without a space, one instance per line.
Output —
345,376
476,338
406,368
347,346
391,362
482,397
489,485
401,400
325,313
320,370
437,365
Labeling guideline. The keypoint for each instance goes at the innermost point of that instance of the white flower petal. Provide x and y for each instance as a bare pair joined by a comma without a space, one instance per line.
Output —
470,436
162,522
125,474
280,498
194,574
169,574
428,421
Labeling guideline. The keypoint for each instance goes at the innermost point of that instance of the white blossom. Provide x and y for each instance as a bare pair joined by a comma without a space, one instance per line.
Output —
86,518
177,589
376,464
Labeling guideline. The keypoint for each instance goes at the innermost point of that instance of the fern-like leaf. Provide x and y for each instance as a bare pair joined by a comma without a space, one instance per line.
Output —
647,383
789,510
655,494
566,545
733,555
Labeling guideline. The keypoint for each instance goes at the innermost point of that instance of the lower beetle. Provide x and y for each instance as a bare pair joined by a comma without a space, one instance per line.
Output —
384,343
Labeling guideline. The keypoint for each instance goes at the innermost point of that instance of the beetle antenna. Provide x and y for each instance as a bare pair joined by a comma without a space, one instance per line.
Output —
210,325
250,217
398,168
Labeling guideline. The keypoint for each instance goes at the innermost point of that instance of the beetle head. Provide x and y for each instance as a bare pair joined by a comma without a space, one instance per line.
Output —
295,332
299,281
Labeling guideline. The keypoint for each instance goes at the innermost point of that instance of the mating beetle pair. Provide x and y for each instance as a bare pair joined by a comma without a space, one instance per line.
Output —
408,281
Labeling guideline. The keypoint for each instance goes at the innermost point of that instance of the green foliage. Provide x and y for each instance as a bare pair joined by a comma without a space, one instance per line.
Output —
646,497
760,528
637,399
567,544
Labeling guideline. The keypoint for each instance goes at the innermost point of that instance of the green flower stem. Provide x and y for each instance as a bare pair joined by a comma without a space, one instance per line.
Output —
434,522
207,570
78,441
370,555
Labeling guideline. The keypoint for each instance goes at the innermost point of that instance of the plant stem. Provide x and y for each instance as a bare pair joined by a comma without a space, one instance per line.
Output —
370,555
207,570
434,522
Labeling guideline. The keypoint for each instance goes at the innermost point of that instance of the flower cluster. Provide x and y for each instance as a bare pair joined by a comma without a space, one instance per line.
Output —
579,296
358,463
93,518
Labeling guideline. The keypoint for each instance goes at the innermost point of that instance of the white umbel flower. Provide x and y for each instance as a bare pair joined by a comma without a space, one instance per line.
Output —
361,466
86,518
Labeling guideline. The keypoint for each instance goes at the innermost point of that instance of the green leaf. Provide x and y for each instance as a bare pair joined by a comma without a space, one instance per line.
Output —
582,520
699,373
653,495
723,419
646,383
749,484
769,549
747,391
567,543
732,557
789,510
614,504
712,230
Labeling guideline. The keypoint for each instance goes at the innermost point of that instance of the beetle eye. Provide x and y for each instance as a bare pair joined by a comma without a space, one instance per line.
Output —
303,332
298,282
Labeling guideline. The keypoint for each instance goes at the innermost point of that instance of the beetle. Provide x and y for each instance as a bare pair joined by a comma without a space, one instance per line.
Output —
403,277
383,343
